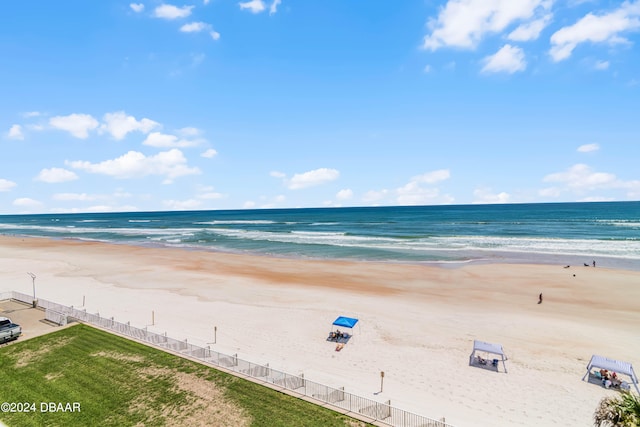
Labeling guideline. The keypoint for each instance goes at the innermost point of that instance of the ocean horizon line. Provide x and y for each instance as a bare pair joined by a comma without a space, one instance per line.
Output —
258,209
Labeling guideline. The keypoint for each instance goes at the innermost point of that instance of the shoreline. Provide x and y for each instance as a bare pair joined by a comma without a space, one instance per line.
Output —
504,258
417,322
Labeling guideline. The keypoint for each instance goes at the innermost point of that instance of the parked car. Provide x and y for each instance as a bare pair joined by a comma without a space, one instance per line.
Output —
8,330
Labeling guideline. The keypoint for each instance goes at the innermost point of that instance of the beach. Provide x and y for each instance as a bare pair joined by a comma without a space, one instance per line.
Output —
417,323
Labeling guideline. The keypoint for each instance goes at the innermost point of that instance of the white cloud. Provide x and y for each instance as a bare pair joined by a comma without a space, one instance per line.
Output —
211,196
596,29
77,125
552,192
485,196
345,194
205,193
73,197
414,193
103,208
15,132
249,204
170,164
205,2
168,11
530,30
273,203
26,202
118,124
254,6
189,131
277,174
120,193
587,148
163,140
427,68
136,7
312,178
30,114
432,177
6,185
508,59
37,128
182,205
210,153
601,65
194,27
463,23
374,196
274,7
56,175
419,190
580,177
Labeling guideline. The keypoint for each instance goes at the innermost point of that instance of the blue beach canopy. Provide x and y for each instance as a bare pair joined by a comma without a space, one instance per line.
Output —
347,322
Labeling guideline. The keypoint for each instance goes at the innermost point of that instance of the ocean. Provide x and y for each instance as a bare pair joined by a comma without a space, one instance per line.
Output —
452,235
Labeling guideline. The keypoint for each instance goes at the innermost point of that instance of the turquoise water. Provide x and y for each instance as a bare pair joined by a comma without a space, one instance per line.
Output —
562,233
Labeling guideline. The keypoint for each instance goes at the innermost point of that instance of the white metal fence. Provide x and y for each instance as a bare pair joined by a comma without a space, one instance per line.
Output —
382,412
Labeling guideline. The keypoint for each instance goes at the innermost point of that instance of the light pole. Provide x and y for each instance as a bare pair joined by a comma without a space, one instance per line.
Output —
33,279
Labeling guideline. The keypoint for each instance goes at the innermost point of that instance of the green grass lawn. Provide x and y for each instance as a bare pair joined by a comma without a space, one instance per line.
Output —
118,382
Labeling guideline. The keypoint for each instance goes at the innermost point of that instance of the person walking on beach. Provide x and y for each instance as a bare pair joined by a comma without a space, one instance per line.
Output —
540,298
594,262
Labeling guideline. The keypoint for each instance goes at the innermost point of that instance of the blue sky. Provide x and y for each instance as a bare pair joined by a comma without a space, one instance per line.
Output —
220,104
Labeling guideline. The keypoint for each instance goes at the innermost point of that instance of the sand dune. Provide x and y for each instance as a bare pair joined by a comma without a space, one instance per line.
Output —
417,323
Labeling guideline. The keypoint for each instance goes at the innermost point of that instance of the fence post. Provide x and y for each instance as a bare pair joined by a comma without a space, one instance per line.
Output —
381,411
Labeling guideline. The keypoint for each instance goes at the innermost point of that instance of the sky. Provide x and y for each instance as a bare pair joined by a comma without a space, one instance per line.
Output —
112,105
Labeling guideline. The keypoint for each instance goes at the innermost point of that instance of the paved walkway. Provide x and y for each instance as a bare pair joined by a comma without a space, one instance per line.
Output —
30,319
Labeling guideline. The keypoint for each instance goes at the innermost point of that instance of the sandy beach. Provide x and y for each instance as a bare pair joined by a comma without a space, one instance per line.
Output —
417,323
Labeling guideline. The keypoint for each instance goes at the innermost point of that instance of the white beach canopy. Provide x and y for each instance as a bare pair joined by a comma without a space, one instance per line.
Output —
488,347
614,366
